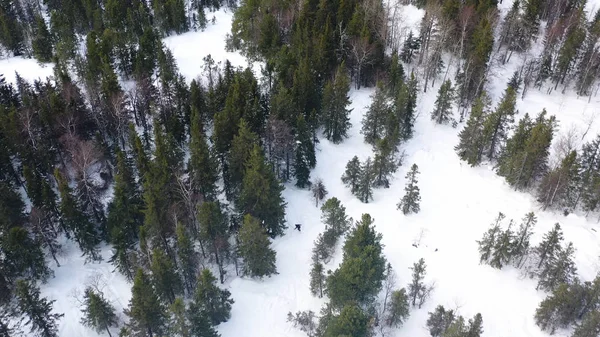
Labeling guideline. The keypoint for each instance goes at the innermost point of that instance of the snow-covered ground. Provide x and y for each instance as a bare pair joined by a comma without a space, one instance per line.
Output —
458,204
28,69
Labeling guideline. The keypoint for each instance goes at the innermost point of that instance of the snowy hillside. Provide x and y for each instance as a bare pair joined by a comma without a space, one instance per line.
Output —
458,204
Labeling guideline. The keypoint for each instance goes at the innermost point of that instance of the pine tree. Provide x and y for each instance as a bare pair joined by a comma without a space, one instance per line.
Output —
241,148
489,240
335,107
255,249
305,153
439,321
589,327
472,143
215,302
147,316
352,321
77,223
550,245
187,258
360,276
352,175
261,194
37,310
497,124
520,246
502,250
416,288
42,41
165,279
319,192
333,215
373,125
384,163
558,269
411,199
410,47
203,166
364,191
24,257
200,325
98,313
214,231
589,192
559,187
399,309
442,113
475,328
179,325
317,279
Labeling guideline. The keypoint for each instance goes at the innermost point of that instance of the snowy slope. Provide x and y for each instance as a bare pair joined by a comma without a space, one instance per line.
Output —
458,204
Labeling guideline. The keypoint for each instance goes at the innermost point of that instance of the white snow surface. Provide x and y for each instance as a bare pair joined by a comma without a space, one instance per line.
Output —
458,204
29,69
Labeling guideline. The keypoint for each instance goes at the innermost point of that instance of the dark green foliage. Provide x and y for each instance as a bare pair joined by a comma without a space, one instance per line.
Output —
442,113
560,186
319,192
241,147
147,316
42,41
366,181
333,215
23,257
520,246
558,269
589,193
352,175
439,321
550,245
261,194
255,249
203,166
589,327
385,163
200,324
165,279
335,118
178,322
497,124
418,291
410,47
317,279
359,277
213,301
305,153
412,197
351,321
502,250
98,313
373,122
214,231
38,311
187,258
398,311
488,242
471,145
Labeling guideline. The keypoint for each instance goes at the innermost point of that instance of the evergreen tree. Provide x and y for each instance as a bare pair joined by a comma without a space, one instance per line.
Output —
359,277
261,194
497,124
255,248
489,240
550,245
589,327
319,192
384,163
335,107
165,279
472,143
215,302
589,163
405,107
214,231
77,222
520,246
442,113
241,148
353,174
333,215
351,321
98,313
200,325
502,250
317,279
187,258
559,186
373,125
38,310
417,289
412,198
475,328
305,153
364,191
42,41
439,321
202,166
558,269
398,311
23,257
410,47
179,325
147,316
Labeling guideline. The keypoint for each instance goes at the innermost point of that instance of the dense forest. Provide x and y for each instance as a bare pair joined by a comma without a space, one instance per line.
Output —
183,181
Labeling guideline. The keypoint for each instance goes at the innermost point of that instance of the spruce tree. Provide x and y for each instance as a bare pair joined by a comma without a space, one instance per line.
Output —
405,105
208,297
364,191
214,231
352,175
589,327
187,258
520,245
384,163
497,124
351,321
550,245
475,328
319,192
23,257
261,194
98,313
165,278
305,153
589,193
317,279
439,321
373,122
335,107
179,325
416,288
38,311
202,166
241,148
412,198
255,248
489,240
42,41
147,316
442,113
560,186
471,141
502,250
333,215
399,309
558,269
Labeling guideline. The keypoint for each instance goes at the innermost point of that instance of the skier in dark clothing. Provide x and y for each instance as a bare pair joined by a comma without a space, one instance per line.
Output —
297,226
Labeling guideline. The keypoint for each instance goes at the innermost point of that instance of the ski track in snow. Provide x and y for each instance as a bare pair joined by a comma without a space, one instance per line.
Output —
458,204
